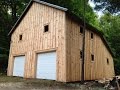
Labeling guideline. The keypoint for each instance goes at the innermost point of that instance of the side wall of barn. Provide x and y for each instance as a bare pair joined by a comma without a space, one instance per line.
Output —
73,47
102,66
94,69
35,40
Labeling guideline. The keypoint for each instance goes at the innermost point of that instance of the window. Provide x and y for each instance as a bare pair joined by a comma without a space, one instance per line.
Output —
46,28
81,29
107,61
20,37
92,57
81,54
92,35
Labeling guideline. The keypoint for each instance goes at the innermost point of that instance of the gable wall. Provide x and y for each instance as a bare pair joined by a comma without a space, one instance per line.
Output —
35,40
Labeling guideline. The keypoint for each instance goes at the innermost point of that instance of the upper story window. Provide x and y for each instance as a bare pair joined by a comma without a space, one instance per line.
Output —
20,37
81,29
46,28
92,35
92,57
107,61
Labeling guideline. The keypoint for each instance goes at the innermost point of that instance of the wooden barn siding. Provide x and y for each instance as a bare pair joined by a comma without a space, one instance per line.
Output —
35,40
98,69
109,68
73,46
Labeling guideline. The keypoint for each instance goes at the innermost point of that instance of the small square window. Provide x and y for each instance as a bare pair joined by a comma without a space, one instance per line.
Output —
81,54
92,57
81,29
107,61
92,35
46,28
20,37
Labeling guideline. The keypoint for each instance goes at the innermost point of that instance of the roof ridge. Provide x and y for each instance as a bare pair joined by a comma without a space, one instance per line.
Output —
51,5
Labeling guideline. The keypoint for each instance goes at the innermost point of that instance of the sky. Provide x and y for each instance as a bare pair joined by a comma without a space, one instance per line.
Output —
99,13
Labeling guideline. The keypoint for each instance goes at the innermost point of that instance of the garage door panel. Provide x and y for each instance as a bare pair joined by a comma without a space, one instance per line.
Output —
46,66
45,76
19,63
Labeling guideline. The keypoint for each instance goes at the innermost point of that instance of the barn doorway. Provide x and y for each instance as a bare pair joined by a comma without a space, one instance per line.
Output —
46,66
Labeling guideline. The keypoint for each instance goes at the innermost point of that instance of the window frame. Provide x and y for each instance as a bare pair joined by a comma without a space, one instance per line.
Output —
92,57
108,61
20,37
48,27
92,35
81,28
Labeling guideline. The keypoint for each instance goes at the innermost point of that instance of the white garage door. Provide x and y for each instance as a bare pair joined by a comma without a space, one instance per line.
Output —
46,66
19,63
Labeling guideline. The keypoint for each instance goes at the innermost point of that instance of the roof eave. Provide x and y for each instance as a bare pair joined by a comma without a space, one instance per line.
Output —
51,5
20,18
93,29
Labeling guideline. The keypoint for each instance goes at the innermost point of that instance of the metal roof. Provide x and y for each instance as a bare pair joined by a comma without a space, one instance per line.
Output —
51,5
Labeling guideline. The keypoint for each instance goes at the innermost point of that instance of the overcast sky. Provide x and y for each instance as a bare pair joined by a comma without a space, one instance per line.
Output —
99,13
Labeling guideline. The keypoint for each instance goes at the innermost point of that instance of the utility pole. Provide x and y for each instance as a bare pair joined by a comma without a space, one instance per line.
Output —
83,46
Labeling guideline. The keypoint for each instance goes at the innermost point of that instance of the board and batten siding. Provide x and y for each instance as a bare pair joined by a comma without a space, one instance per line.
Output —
73,47
97,69
94,70
35,40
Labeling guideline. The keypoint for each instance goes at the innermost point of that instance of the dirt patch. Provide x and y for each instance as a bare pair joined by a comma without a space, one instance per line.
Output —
15,83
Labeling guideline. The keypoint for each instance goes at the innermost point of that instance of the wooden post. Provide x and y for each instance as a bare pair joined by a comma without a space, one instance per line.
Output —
83,47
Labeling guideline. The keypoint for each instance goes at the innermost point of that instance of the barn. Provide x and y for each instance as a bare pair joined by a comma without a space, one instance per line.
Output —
46,43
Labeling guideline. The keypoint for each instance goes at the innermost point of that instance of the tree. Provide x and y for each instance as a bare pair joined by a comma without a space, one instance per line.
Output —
10,10
113,6
77,7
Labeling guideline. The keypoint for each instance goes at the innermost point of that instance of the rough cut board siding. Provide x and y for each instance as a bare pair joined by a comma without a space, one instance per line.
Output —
73,46
35,40
98,69
109,68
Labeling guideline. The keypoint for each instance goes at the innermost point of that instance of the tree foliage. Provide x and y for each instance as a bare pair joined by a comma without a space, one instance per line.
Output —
10,10
77,7
113,6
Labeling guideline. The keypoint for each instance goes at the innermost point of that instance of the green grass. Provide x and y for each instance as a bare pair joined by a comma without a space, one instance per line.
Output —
5,78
